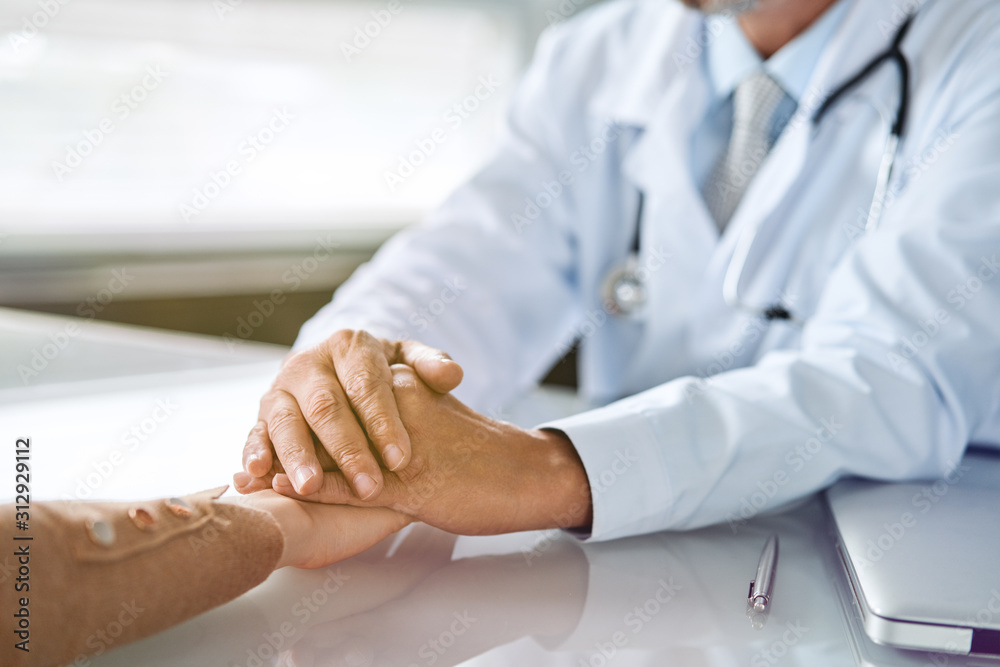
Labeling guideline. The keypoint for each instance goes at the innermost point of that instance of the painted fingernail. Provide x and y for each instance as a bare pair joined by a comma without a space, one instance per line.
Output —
302,476
364,485
393,456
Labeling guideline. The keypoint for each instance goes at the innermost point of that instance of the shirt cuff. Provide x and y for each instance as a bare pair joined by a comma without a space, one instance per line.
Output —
629,485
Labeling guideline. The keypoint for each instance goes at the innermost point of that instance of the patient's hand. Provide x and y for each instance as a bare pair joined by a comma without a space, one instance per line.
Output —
317,535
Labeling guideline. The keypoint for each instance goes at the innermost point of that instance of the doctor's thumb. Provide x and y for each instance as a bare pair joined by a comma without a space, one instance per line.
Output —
439,371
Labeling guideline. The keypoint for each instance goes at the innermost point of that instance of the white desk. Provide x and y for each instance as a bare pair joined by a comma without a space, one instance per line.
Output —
525,599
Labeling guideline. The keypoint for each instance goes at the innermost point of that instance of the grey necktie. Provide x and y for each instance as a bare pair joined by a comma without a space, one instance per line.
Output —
755,102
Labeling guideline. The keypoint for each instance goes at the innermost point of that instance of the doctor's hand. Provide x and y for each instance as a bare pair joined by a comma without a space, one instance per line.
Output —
328,403
470,474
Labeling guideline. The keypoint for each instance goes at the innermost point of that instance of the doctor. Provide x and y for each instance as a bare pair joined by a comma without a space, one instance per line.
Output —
762,304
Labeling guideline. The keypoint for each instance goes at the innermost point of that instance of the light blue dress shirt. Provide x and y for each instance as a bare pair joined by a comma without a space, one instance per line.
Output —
729,58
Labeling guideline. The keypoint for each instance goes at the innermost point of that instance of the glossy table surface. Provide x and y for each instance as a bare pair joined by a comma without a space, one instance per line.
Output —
422,597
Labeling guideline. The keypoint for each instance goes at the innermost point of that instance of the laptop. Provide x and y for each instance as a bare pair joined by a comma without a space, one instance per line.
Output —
923,558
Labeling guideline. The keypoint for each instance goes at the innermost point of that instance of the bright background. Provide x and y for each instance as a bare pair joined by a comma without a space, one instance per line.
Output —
226,66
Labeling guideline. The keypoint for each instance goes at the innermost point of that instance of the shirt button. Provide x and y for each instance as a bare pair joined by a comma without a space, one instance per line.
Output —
179,507
101,532
141,518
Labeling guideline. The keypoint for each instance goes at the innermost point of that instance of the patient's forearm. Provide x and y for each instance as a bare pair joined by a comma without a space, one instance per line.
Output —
95,576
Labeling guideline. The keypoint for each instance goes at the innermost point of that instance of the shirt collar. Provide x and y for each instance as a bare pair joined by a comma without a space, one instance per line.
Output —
730,57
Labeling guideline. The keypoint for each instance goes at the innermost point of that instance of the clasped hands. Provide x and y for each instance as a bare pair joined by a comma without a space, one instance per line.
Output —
364,421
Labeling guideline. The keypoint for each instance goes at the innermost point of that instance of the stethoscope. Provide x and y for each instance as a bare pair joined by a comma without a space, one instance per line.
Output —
624,288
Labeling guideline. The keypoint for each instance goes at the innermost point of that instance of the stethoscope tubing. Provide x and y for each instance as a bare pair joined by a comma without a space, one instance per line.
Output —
745,244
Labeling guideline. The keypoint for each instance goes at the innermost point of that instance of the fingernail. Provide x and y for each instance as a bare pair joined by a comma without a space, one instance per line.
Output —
281,480
364,485
241,479
302,476
393,456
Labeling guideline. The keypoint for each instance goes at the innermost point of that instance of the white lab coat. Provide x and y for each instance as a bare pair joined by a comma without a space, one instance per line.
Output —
708,413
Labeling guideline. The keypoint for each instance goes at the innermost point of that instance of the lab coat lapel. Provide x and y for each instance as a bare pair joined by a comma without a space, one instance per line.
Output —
659,165
676,224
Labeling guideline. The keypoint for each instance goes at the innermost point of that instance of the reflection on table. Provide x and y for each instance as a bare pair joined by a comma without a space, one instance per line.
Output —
428,598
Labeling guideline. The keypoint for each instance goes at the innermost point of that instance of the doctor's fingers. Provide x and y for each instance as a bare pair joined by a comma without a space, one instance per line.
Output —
291,438
436,368
322,405
362,369
257,452
245,482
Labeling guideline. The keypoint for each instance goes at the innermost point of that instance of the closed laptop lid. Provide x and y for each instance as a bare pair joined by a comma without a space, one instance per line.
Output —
926,552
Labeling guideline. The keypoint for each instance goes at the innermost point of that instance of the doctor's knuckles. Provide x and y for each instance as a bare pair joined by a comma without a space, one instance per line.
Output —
470,474
341,391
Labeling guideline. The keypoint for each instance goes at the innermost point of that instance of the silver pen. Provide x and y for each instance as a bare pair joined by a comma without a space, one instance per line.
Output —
759,597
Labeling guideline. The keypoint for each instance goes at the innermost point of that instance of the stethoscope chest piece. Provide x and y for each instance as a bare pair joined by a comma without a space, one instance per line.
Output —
623,292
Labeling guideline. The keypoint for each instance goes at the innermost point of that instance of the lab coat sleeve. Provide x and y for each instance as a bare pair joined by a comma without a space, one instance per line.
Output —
897,371
489,278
